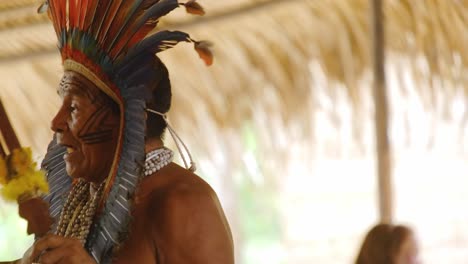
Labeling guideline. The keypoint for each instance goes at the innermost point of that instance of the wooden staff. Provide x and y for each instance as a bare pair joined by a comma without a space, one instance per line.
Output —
8,138
384,167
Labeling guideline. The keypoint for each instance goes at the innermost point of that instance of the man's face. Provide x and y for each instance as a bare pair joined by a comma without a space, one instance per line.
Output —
87,123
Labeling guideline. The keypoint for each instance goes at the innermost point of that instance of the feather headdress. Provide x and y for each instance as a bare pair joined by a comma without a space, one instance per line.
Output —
103,35
106,41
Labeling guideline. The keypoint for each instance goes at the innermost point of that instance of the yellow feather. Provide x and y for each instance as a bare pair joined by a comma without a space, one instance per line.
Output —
29,184
20,178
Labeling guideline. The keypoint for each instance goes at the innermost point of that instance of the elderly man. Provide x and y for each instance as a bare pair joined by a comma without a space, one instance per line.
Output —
116,197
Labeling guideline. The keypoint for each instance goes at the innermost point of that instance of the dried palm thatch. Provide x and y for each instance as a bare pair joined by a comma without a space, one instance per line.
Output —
282,68
266,59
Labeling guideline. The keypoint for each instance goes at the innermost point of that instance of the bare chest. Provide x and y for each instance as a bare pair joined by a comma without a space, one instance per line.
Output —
139,246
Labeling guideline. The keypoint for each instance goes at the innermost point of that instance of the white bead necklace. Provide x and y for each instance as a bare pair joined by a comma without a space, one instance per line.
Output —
157,159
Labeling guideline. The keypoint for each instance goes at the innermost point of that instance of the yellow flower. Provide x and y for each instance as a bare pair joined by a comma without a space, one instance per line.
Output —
3,172
19,176
21,161
31,184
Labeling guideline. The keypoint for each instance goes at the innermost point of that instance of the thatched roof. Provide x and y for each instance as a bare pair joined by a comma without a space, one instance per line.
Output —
283,69
267,54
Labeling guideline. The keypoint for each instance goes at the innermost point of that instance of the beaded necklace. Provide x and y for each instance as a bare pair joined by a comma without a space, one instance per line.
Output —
78,213
157,159
80,207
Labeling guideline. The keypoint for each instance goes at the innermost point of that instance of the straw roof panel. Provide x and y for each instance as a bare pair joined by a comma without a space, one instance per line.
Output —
267,54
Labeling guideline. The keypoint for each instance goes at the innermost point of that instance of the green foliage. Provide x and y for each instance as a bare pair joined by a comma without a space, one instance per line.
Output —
258,211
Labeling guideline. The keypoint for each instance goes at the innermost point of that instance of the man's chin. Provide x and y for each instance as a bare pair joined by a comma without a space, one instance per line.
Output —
71,171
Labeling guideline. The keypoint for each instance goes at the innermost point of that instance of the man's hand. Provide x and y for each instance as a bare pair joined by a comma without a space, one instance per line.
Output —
36,212
53,249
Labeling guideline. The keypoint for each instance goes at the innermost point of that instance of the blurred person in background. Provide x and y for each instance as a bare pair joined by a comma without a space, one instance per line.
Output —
389,244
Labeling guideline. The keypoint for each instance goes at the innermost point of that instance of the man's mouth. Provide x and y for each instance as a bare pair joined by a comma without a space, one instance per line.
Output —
70,148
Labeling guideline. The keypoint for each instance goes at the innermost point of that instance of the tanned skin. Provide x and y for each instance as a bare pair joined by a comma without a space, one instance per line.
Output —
185,219
177,217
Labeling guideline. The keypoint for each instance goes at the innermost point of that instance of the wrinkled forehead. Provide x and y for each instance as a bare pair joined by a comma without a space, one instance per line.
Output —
76,85
73,83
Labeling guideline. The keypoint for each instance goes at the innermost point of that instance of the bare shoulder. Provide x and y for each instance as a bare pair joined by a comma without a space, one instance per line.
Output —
174,184
188,221
178,193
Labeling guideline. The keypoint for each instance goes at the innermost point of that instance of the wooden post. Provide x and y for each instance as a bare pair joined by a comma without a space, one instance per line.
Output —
8,138
384,167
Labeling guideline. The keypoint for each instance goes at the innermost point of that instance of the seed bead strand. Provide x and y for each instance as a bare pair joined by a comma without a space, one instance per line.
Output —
79,209
157,159
77,194
78,212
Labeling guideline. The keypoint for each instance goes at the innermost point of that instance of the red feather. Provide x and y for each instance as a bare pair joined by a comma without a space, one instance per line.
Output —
79,7
72,13
126,32
143,32
55,13
126,16
139,29
53,17
100,16
90,14
129,38
60,7
84,10
110,17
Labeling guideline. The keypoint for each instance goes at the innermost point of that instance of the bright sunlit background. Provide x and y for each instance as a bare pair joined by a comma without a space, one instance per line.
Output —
282,125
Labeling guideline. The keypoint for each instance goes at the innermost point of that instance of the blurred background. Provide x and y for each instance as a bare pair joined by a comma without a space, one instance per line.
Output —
282,125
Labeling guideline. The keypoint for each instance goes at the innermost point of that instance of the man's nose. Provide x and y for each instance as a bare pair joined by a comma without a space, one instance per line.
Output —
59,122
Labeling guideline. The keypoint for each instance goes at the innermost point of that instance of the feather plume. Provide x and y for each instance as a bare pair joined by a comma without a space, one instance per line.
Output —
193,7
53,18
79,7
130,13
55,11
100,16
113,9
136,70
73,15
90,14
158,42
144,24
204,51
126,15
83,12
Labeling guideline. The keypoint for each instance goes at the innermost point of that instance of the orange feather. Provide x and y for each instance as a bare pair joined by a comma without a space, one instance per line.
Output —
192,7
204,51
